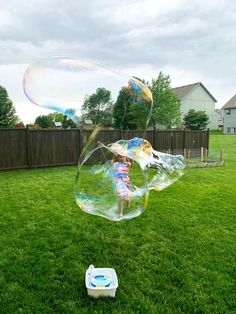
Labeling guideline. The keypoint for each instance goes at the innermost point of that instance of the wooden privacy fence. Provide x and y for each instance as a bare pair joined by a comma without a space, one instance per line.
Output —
29,148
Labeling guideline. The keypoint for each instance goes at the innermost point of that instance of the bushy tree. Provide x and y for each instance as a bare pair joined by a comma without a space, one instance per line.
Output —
196,120
128,113
44,121
139,115
60,117
98,106
8,117
56,116
166,106
68,123
47,121
121,110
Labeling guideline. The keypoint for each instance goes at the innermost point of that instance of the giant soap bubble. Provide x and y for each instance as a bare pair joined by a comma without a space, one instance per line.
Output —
63,84
118,187
113,179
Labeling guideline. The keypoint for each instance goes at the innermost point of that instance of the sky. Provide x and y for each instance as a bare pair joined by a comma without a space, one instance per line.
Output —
192,41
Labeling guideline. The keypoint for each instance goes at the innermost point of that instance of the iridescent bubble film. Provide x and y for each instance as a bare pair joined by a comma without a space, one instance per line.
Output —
118,187
114,180
63,84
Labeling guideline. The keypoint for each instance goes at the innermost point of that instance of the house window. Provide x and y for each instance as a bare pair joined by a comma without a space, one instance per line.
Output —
228,130
228,111
234,130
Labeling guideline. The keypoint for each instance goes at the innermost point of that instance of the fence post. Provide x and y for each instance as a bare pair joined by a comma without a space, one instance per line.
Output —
221,154
120,133
184,143
206,154
80,143
28,147
208,134
185,153
154,137
171,142
189,153
202,154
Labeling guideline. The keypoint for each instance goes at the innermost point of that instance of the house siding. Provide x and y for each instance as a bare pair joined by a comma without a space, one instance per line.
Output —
230,121
199,99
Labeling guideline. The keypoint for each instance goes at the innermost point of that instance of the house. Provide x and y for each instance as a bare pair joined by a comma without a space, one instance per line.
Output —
220,113
58,125
196,96
230,116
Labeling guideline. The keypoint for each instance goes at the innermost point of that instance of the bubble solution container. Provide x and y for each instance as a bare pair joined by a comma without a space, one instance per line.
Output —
101,282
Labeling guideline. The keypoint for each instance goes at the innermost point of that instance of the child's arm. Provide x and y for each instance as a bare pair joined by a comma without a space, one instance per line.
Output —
130,163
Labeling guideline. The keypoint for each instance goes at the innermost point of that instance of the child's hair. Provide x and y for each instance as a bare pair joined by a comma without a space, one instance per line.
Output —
117,157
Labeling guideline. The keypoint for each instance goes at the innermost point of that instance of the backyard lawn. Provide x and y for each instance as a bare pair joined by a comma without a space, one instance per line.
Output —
178,257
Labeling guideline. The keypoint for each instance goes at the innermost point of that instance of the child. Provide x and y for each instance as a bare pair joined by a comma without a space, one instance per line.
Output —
122,182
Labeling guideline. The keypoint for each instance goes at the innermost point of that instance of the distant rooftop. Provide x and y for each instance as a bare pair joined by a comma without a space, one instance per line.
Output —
181,91
58,124
231,103
88,121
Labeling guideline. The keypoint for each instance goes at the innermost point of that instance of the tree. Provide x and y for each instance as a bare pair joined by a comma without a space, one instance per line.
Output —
128,113
67,123
8,117
121,110
56,116
47,121
166,106
44,121
98,106
60,117
139,115
196,120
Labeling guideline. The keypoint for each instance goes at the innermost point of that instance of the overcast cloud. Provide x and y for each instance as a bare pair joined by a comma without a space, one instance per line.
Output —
189,40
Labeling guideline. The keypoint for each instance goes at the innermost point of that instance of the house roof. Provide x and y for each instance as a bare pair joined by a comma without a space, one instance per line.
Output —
231,103
181,91
58,124
88,121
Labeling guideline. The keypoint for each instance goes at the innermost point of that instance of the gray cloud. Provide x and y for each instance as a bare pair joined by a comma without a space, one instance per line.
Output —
196,36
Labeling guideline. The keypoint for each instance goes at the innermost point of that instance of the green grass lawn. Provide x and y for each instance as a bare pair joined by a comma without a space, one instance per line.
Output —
178,257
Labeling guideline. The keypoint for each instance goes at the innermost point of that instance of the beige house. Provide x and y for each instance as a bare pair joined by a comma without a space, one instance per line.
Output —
196,96
230,116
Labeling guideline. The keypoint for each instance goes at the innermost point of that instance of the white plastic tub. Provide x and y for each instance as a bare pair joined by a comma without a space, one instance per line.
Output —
101,282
